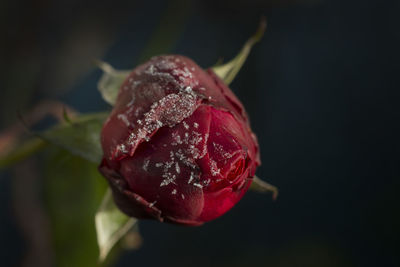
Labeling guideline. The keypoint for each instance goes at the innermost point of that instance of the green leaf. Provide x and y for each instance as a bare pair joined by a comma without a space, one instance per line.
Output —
80,137
110,82
261,186
111,225
73,189
228,71
22,151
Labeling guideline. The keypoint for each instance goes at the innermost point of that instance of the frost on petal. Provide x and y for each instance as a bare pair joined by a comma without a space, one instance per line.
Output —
172,170
156,94
168,111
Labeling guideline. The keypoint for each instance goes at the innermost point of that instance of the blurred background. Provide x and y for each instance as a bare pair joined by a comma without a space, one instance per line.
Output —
321,88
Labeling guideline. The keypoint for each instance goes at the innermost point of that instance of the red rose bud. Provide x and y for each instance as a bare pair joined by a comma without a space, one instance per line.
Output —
178,145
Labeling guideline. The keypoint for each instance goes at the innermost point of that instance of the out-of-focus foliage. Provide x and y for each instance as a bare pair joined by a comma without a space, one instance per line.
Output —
80,136
73,189
23,150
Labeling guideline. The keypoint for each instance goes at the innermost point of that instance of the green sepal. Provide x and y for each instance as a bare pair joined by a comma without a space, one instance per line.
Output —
228,71
261,186
111,225
110,82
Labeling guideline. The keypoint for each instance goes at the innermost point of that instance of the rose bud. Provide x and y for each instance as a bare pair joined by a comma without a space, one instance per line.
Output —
178,145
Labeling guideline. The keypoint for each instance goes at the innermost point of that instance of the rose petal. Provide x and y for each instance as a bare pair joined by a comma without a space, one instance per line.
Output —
165,167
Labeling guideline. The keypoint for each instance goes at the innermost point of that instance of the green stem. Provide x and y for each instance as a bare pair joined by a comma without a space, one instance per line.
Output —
23,151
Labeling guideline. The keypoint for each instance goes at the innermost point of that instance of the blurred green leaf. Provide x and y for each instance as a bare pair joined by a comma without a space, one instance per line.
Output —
261,186
73,189
111,225
81,137
228,71
110,81
26,149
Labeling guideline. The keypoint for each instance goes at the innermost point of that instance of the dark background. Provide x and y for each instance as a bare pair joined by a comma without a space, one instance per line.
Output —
321,89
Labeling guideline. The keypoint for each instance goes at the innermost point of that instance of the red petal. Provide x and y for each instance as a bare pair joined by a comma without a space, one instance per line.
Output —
164,170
